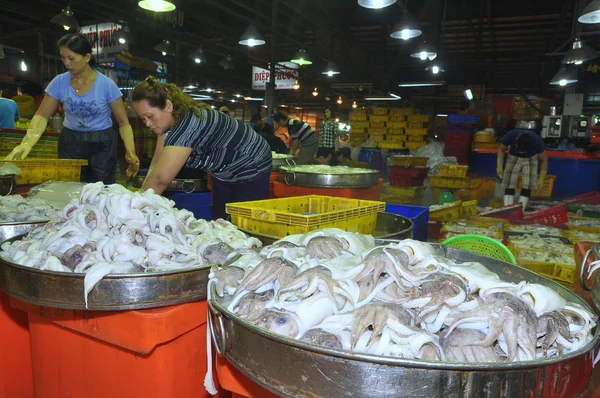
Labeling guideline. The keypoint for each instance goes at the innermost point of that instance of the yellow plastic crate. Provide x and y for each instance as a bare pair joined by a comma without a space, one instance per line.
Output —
287,216
417,138
359,111
563,274
395,138
409,161
377,137
377,130
359,124
484,138
358,117
401,200
416,132
391,145
453,170
487,222
396,131
583,228
448,213
401,111
468,208
357,135
398,118
416,125
418,118
486,145
449,182
397,125
361,130
378,118
36,171
376,124
543,192
415,145
380,111
405,192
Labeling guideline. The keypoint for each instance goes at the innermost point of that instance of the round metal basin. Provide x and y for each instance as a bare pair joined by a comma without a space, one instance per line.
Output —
389,226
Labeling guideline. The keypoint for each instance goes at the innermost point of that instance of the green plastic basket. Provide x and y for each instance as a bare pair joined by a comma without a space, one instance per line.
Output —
480,244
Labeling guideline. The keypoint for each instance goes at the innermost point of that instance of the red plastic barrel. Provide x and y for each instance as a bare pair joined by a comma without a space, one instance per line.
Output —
154,353
240,385
16,375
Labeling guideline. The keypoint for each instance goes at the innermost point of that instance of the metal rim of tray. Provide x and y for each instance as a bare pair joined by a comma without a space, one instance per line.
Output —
114,292
9,230
229,325
320,180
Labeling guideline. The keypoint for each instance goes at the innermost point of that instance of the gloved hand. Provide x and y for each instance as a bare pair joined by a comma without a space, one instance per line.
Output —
134,164
37,126
541,180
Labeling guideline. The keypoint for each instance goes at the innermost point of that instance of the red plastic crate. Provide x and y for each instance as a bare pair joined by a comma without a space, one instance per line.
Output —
590,198
582,196
397,171
551,216
511,212
434,229
406,181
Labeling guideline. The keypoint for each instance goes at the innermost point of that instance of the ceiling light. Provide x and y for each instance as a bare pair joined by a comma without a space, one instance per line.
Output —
442,115
406,29
375,4
238,95
23,66
253,99
157,5
339,101
301,58
252,37
283,106
468,94
396,98
424,51
591,13
564,77
579,54
435,68
296,85
354,105
331,70
66,18
422,84
315,92
164,47
226,63
123,35
198,56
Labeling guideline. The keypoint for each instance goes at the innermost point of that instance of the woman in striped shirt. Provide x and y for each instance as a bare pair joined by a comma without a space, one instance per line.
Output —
193,135
303,137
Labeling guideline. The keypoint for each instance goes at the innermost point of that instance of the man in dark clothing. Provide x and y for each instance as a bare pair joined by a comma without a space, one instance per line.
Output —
268,133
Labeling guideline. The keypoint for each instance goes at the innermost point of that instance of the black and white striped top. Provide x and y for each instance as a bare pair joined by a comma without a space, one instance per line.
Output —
302,132
222,145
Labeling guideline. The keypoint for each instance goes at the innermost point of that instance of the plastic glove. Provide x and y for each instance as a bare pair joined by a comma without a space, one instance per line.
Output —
37,126
541,180
134,164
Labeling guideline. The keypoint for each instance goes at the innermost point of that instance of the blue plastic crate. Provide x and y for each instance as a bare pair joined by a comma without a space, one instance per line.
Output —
419,215
198,203
463,119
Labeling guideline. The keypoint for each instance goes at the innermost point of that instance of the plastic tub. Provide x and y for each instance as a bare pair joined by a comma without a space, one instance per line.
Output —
371,156
16,372
283,190
419,215
154,353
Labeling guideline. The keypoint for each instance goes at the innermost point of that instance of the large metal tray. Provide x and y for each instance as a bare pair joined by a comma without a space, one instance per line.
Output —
177,185
288,160
388,226
9,230
291,368
114,292
315,180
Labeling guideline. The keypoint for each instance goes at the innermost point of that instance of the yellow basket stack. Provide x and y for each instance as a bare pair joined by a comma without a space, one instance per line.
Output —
452,212
37,171
356,139
541,192
453,170
561,273
287,216
468,209
380,111
450,182
417,121
409,161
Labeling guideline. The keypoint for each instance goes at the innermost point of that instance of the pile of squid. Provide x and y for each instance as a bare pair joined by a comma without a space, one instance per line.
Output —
16,208
111,230
340,291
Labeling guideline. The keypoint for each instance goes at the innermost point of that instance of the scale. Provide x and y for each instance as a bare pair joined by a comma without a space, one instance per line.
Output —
552,127
578,127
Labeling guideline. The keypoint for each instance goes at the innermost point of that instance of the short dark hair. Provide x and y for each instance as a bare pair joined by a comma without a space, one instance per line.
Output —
524,143
77,43
323,152
278,116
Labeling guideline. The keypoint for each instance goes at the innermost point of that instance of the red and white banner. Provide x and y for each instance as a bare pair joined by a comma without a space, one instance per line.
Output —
104,43
286,74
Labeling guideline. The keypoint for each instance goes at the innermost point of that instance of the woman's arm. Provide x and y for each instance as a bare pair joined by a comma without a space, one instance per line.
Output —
126,132
170,162
500,161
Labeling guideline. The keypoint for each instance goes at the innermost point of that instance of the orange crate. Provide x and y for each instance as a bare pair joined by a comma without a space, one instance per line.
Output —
233,380
153,353
16,371
283,190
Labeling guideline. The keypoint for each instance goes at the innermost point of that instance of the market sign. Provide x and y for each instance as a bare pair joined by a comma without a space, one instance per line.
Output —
286,74
105,46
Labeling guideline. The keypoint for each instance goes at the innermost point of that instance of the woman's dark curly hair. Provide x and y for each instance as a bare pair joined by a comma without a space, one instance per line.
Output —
157,94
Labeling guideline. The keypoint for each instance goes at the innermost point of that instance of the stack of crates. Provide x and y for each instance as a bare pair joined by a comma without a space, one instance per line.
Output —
46,147
359,124
377,124
457,137
407,176
417,131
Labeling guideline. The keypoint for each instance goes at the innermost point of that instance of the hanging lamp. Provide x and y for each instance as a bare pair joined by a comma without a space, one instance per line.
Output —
579,54
406,29
252,37
301,58
226,63
564,77
66,18
424,51
331,69
164,47
375,4
591,13
157,5
198,56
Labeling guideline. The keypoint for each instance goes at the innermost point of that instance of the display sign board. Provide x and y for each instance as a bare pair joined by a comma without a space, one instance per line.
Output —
104,43
286,74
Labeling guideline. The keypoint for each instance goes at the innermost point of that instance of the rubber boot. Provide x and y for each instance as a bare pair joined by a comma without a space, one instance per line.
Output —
524,200
509,200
